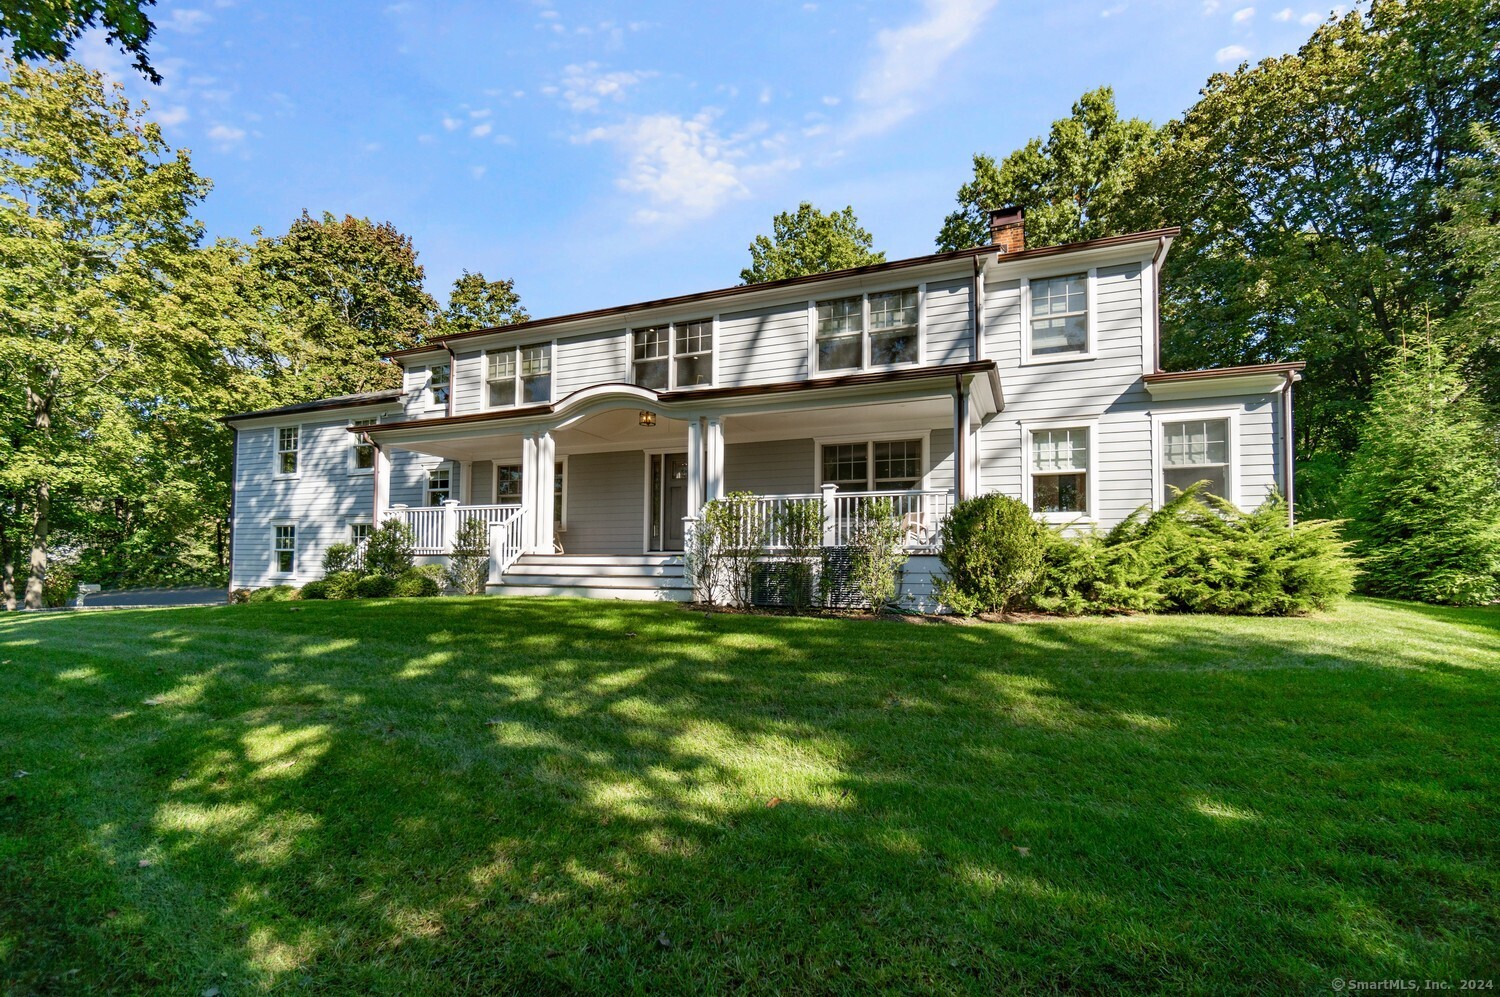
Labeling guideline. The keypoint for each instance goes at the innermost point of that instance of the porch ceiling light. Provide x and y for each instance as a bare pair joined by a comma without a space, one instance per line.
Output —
648,419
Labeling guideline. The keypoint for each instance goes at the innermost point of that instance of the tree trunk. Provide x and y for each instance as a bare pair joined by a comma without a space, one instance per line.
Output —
37,570
7,567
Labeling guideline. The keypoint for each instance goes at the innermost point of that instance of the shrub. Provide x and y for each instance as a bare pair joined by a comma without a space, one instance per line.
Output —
992,550
339,558
1421,496
239,597
728,540
389,549
341,584
798,525
469,565
416,584
60,585
375,587
274,593
316,590
876,555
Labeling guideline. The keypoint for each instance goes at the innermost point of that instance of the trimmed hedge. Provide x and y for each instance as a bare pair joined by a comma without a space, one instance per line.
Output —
274,593
417,584
375,587
991,549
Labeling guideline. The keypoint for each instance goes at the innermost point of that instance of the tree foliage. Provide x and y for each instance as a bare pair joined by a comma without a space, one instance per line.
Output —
1423,489
477,303
807,241
48,29
1471,333
1076,185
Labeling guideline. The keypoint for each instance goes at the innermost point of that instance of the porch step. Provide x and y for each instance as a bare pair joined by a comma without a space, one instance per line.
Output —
650,577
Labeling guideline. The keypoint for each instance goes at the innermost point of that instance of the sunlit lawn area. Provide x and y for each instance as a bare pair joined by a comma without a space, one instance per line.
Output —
533,795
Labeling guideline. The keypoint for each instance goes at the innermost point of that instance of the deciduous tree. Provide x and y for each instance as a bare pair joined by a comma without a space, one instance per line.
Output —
807,241
47,29
477,303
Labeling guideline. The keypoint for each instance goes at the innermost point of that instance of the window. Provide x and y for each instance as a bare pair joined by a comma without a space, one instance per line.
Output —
286,449
1195,451
285,550
882,465
362,453
1059,470
439,485
359,533
519,375
679,354
893,328
841,327
438,384
1059,316
559,490
507,484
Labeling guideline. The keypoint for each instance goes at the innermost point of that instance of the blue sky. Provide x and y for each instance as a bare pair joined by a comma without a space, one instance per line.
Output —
601,153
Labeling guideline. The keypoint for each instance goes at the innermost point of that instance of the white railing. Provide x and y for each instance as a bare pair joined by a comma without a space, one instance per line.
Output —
920,513
507,542
434,528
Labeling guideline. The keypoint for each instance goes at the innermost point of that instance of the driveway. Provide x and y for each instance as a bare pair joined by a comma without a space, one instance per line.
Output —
156,597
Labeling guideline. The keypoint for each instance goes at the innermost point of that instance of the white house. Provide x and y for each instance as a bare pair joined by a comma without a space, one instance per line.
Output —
588,440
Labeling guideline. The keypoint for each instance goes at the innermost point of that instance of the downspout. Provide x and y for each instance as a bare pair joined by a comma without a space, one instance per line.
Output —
1287,456
960,439
234,490
452,377
1161,248
976,310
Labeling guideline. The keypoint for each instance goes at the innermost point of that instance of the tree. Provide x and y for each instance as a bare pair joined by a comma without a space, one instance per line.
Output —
1309,188
1472,234
47,29
94,229
1078,185
476,303
808,242
1421,491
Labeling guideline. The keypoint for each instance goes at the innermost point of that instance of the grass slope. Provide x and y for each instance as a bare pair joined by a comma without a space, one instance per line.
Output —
537,795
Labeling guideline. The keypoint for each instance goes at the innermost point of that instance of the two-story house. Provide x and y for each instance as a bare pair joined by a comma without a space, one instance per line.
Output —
588,441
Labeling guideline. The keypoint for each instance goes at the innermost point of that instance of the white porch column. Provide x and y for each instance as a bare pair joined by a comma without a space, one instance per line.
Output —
830,516
546,466
382,485
713,445
450,522
528,491
963,444
466,482
694,466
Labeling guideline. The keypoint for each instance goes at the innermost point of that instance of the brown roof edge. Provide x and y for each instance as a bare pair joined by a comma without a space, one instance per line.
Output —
362,400
724,292
1211,372
709,394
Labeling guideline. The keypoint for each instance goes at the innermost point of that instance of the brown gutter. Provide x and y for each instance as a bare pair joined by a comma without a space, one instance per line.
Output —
741,289
1163,376
1161,248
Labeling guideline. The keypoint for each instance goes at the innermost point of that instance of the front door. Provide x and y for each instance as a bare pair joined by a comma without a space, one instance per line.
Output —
669,481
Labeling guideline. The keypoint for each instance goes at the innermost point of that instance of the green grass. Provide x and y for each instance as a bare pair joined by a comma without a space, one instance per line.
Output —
530,795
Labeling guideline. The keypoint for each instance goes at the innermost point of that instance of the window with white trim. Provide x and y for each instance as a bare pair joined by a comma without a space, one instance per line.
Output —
359,533
508,486
1193,451
439,485
1059,315
1060,470
892,320
675,355
518,375
878,465
288,441
284,549
362,452
439,381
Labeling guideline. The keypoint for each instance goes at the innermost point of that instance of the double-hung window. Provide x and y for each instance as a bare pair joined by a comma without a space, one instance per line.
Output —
1193,451
362,451
508,488
288,439
1059,470
284,549
880,465
675,355
1058,317
439,485
438,384
519,375
359,533
868,330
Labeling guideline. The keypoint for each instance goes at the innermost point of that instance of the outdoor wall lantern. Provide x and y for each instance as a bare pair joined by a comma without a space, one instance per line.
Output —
648,419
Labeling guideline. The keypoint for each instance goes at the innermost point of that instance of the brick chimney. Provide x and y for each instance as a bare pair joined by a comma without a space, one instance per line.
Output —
1008,229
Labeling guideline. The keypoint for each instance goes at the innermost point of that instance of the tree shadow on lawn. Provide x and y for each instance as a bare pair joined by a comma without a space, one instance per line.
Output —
534,795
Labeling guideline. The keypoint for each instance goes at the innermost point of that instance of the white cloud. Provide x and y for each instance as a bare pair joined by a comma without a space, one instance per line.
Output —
1234,54
684,166
584,87
1284,14
1243,15
186,20
1309,19
1114,11
1210,7
97,53
226,134
451,123
477,172
909,58
169,116
481,130
830,102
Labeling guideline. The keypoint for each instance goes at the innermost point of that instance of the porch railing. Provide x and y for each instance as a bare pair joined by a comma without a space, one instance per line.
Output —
507,542
921,512
434,528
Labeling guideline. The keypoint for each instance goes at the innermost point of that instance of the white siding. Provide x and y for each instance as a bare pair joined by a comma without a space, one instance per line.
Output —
773,467
580,361
468,382
949,317
764,345
606,503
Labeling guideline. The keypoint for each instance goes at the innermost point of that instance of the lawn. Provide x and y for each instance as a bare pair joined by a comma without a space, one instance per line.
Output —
535,795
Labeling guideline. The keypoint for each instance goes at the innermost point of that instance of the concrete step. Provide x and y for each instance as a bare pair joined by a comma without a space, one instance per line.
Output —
620,560
595,581
652,593
526,569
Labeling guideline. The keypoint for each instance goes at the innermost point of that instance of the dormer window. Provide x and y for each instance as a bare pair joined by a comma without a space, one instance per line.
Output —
1058,317
892,320
438,385
519,375
675,355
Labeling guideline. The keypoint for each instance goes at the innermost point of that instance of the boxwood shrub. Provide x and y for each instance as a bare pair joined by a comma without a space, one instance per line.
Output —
375,587
417,583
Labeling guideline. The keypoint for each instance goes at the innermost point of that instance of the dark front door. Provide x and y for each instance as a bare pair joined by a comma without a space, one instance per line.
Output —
674,500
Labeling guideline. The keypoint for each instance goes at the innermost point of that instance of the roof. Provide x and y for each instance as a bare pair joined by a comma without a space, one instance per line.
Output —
439,342
361,400
1163,376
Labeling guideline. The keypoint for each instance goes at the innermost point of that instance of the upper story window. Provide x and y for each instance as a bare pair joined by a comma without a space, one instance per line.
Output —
675,355
284,549
1058,317
1059,470
891,319
287,444
519,375
438,385
362,451
1194,451
439,485
879,465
